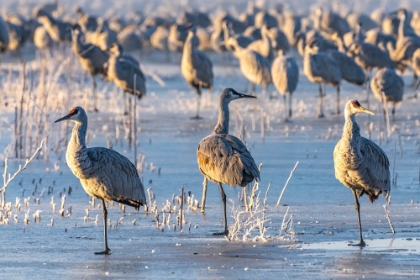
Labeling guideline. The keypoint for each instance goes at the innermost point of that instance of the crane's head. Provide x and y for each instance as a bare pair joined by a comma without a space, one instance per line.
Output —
353,107
229,94
115,49
76,114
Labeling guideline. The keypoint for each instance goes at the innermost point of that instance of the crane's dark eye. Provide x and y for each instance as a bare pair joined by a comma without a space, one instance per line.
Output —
73,111
356,104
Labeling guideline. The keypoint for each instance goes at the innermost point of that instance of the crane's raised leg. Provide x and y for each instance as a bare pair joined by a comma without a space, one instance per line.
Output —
106,250
95,94
203,197
224,211
197,116
356,201
320,102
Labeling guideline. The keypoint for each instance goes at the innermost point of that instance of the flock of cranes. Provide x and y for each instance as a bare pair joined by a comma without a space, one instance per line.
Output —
358,49
334,48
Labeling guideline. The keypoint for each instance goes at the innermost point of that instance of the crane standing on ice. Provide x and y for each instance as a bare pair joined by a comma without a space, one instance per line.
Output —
105,174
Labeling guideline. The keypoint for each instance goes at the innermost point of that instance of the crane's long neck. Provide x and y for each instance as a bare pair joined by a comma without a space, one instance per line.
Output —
78,138
78,46
188,45
351,130
401,27
222,126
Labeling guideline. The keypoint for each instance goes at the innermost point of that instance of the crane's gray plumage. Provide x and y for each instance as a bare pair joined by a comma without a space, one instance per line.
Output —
223,158
4,36
387,84
285,75
330,22
253,65
104,174
196,67
58,30
359,163
121,70
263,46
91,57
321,68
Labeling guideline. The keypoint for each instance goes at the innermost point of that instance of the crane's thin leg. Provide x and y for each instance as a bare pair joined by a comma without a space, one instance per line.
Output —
224,210
337,111
95,94
285,106
125,103
393,112
197,116
416,88
356,201
203,197
253,89
106,251
368,87
290,104
320,102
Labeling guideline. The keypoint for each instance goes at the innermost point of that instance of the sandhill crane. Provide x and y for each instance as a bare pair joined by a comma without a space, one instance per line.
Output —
304,38
223,158
18,34
177,35
278,39
242,40
321,68
350,70
359,163
285,75
291,26
263,18
42,39
91,57
4,36
196,67
104,36
387,86
330,22
355,18
130,38
49,8
104,174
369,56
254,66
58,30
125,72
263,46
415,64
86,22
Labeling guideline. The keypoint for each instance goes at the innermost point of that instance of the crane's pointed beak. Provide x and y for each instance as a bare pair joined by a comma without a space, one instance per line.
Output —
66,117
364,110
241,95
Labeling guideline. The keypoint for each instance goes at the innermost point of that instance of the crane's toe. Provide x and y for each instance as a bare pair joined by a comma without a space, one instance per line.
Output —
360,244
106,252
196,118
226,232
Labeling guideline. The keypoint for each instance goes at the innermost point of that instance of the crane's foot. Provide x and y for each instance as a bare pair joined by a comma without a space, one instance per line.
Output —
106,252
273,97
361,244
226,232
288,120
196,118
321,115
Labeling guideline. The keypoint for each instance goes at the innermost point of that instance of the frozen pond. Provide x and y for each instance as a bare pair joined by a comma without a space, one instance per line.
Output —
324,220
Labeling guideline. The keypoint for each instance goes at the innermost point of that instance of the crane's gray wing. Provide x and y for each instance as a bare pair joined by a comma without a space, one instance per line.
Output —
224,158
203,67
117,173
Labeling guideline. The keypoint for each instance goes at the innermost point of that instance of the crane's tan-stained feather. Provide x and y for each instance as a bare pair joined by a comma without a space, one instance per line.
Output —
224,158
